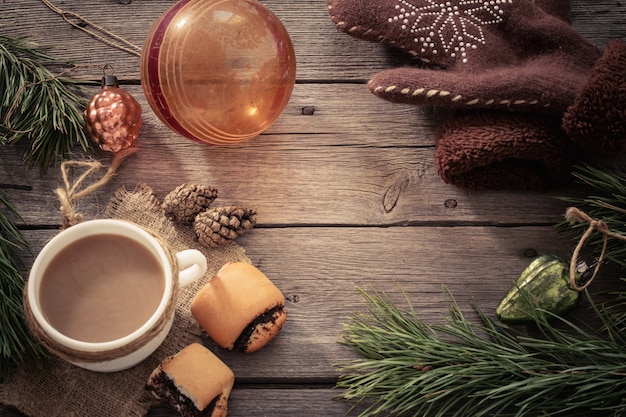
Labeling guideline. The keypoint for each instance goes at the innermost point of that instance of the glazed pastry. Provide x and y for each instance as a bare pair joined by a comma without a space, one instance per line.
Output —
194,381
240,308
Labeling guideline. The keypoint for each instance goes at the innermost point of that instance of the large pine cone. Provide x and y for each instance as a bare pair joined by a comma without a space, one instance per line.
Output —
187,200
221,225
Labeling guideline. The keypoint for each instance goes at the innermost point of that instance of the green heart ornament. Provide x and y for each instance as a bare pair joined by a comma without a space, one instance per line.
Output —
542,286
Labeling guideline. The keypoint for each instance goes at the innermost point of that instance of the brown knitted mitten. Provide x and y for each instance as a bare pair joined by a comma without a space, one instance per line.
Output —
490,54
519,55
596,120
503,150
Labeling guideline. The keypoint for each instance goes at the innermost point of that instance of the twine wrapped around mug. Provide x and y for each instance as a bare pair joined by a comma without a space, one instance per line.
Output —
72,355
70,193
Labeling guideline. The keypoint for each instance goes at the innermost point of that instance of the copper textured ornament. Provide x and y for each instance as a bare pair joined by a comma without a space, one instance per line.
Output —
113,117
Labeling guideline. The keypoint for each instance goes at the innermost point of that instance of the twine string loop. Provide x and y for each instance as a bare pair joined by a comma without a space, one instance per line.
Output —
74,191
98,32
575,215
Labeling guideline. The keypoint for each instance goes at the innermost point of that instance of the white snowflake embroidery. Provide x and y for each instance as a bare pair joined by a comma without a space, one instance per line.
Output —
453,26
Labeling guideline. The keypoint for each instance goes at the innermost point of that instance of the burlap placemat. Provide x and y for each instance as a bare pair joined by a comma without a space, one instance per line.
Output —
66,390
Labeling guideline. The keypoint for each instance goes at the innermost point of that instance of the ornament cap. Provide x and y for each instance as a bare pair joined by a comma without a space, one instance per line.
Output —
109,81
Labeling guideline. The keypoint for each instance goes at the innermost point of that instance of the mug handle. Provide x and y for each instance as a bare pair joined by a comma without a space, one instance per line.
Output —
193,265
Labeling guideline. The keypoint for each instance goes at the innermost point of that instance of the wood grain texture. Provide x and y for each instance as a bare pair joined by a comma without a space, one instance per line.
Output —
344,184
323,54
354,161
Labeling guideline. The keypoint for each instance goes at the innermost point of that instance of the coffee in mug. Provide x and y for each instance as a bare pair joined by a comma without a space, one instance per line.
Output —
101,288
102,294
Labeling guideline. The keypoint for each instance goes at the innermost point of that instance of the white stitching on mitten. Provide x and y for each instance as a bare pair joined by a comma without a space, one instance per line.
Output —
443,27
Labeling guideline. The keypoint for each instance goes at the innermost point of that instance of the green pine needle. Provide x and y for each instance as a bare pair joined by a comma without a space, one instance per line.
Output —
478,370
16,342
40,111
37,107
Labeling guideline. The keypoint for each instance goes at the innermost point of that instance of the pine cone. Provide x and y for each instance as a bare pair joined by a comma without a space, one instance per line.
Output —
221,225
187,200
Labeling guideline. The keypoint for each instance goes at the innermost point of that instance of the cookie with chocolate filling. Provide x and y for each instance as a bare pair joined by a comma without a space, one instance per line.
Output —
194,381
240,308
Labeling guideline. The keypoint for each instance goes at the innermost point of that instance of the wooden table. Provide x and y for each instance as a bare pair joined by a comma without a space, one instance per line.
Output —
344,184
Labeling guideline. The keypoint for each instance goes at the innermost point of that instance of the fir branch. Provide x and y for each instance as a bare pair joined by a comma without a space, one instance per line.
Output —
16,342
478,370
39,108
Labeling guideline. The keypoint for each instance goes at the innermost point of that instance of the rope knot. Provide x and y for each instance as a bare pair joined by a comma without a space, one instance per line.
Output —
70,219
74,191
574,215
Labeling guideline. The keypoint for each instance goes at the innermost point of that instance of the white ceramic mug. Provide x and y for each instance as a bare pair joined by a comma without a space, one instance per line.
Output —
192,263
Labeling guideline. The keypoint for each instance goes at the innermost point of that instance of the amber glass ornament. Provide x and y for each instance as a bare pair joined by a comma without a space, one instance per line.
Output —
113,117
218,71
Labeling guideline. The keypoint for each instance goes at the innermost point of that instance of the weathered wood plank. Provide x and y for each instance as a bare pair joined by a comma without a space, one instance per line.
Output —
319,280
289,184
262,402
319,269
320,49
354,161
322,52
284,402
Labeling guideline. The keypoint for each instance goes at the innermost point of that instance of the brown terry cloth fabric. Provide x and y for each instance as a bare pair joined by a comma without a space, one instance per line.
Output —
596,120
62,390
502,54
487,150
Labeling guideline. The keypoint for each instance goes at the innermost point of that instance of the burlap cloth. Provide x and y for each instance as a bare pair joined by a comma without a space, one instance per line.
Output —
65,390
